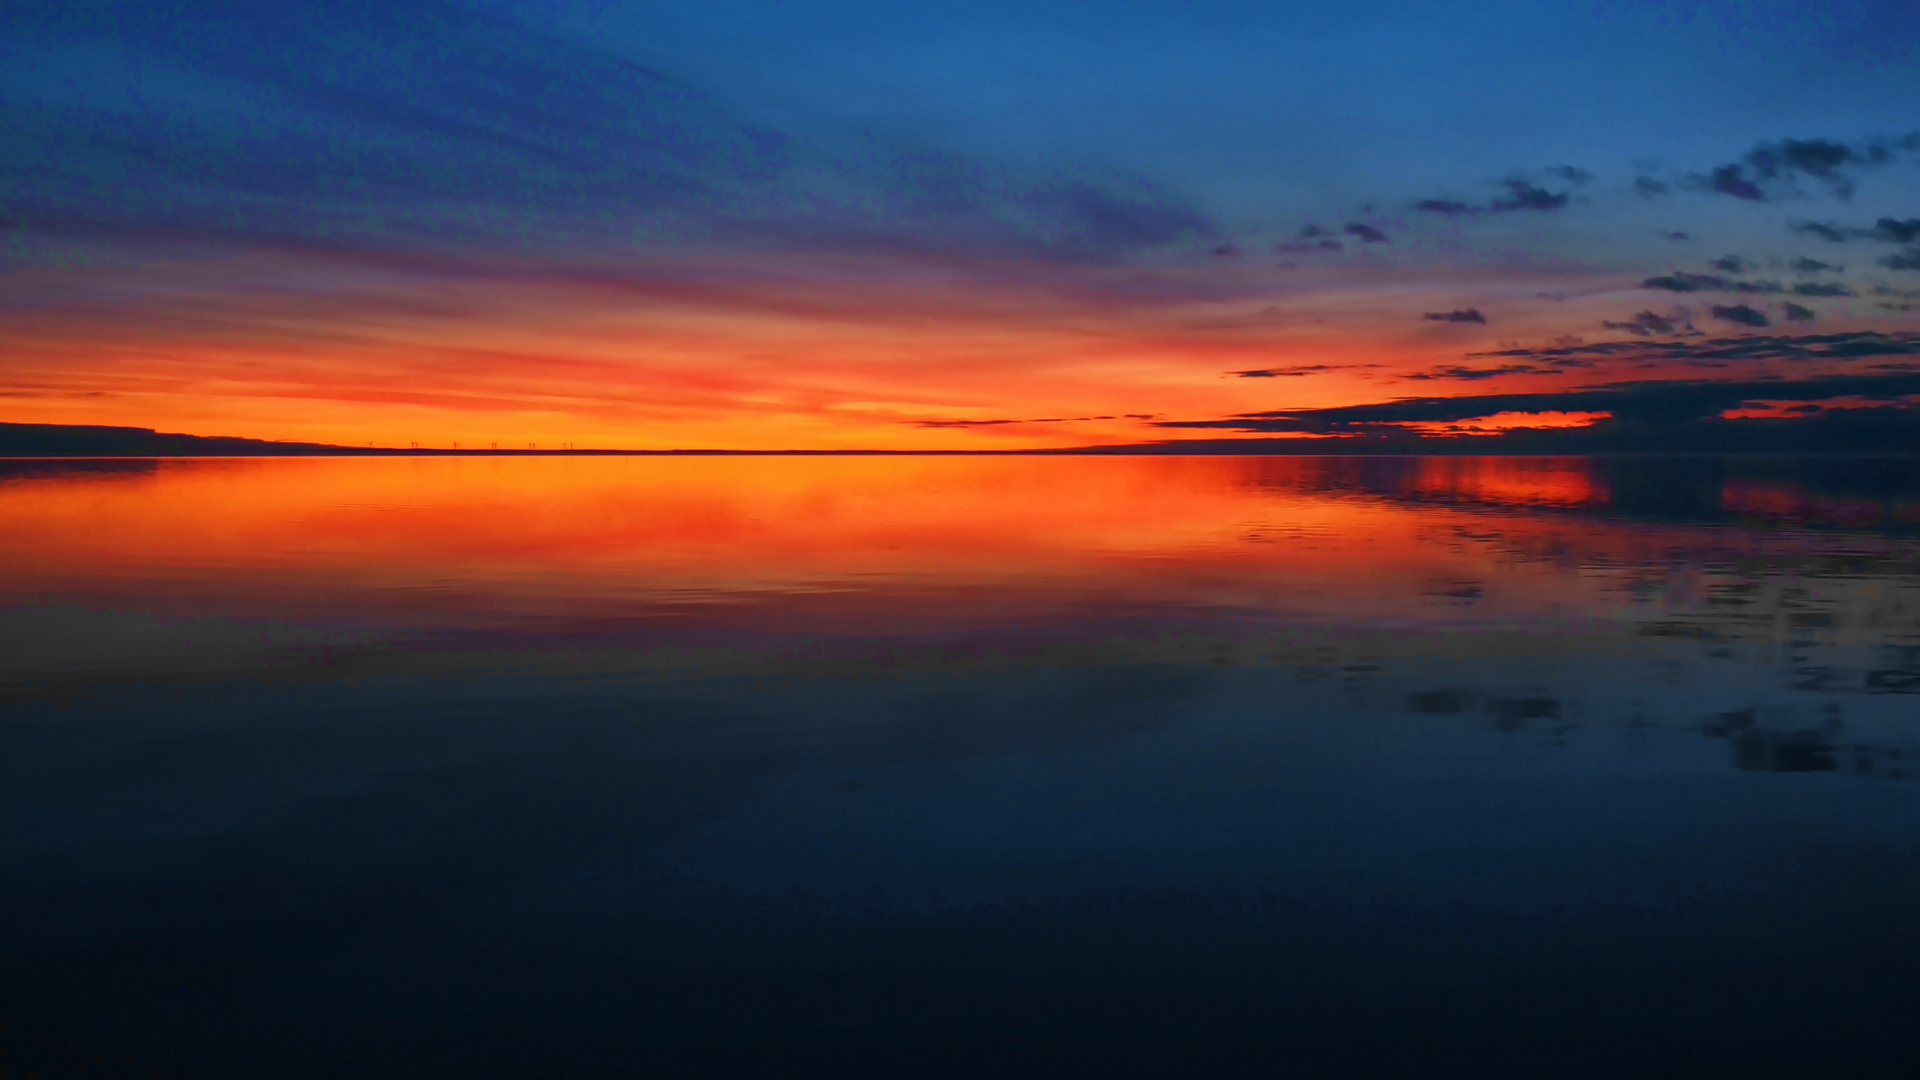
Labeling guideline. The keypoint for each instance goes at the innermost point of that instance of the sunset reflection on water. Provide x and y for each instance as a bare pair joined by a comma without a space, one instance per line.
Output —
749,746
496,541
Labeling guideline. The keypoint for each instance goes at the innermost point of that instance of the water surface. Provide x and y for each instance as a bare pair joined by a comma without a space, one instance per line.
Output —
958,766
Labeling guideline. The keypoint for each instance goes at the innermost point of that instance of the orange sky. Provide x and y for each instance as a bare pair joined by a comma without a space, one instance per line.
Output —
766,353
836,235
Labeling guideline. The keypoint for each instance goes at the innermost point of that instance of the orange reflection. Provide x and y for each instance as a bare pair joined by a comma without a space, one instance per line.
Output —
813,545
491,540
1499,481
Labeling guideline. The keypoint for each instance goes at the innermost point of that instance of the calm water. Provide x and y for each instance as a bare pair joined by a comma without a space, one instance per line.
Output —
959,766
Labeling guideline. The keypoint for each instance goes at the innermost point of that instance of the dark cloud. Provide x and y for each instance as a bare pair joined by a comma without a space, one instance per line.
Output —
1903,260
1367,234
1647,187
1741,314
1462,315
1887,230
1825,231
1677,236
1732,264
1795,313
1467,374
1805,265
1683,282
1817,288
1769,168
1225,251
1731,180
1819,158
1644,402
1310,239
1807,348
1296,371
1895,231
1680,281
1648,323
1522,195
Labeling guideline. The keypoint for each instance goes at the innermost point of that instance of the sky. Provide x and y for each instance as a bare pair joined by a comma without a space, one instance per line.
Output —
850,224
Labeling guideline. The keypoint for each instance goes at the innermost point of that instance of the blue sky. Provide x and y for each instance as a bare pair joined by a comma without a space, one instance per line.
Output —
1261,109
899,155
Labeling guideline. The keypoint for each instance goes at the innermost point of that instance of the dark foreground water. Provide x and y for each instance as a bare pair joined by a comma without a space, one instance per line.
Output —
959,767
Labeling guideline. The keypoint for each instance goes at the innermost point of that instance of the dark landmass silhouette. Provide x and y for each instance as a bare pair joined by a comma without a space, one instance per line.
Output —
61,440
1869,431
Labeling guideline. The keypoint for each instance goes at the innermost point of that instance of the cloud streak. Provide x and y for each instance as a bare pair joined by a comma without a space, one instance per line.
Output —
1295,372
1521,194
1887,230
1680,281
1466,374
1849,347
1648,323
1646,402
1772,169
430,126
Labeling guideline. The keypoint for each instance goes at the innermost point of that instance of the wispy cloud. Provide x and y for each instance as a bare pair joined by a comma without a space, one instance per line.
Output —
1821,288
1037,420
1648,323
1466,374
435,126
1772,169
1294,372
1460,315
1523,192
1838,347
1740,314
1651,402
1682,282
1887,230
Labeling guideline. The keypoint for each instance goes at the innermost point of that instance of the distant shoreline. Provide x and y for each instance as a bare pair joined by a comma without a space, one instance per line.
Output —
1122,451
1756,439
